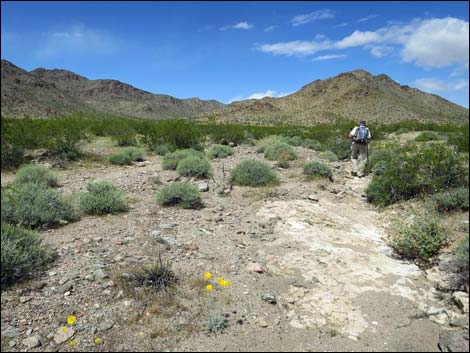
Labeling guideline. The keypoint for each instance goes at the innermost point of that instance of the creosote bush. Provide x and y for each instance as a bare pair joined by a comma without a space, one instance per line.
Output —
134,153
454,199
219,151
317,169
35,206
280,151
102,197
330,156
462,259
120,159
170,160
182,194
420,240
416,169
22,254
193,166
162,149
253,173
313,145
266,141
36,174
426,136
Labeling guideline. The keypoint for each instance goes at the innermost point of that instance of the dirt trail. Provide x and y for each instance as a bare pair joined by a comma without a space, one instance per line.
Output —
322,247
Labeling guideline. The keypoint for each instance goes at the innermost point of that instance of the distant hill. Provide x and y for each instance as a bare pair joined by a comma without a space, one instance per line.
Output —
351,95
42,93
356,95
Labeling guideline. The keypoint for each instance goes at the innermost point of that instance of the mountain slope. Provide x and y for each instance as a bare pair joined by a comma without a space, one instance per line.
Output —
78,93
356,95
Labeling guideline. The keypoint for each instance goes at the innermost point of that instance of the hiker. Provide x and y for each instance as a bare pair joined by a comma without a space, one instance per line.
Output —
360,138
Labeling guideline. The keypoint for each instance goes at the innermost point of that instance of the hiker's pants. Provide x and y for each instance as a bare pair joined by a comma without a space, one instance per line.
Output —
359,157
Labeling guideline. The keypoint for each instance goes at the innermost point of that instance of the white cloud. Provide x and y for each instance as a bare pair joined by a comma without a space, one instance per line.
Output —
437,85
239,25
380,51
271,28
329,57
367,18
344,24
260,95
312,16
358,38
296,47
438,43
77,39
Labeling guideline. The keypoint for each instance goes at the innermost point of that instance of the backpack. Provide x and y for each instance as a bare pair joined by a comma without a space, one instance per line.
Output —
362,134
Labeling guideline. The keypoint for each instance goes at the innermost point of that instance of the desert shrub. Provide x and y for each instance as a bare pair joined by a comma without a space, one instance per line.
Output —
120,159
426,136
11,155
280,151
459,139
421,240
453,199
313,145
293,141
377,159
284,164
330,156
266,141
157,277
416,169
22,254
219,151
315,169
339,146
63,135
162,149
102,197
33,206
176,132
216,322
123,134
462,258
36,174
253,173
134,153
183,194
170,160
402,130
194,167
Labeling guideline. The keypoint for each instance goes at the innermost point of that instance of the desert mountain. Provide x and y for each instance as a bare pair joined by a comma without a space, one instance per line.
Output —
351,95
43,92
356,95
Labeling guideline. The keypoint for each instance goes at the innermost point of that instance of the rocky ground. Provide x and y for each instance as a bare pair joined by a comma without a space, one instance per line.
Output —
308,260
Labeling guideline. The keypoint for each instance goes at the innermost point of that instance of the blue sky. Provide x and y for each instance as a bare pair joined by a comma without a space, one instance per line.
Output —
236,50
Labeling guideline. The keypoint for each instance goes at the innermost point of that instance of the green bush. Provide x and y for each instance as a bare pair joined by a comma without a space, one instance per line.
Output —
102,197
219,151
416,169
459,139
461,258
170,160
183,194
294,140
162,149
339,146
158,277
33,206
421,240
11,155
267,141
36,174
426,136
280,151
22,254
134,153
120,159
313,145
216,322
253,173
314,169
283,164
63,135
451,200
330,156
194,167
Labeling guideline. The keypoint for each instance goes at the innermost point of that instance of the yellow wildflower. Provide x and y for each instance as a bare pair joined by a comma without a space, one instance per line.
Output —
209,287
64,329
97,340
223,283
220,279
73,343
207,275
71,320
